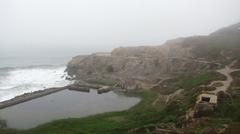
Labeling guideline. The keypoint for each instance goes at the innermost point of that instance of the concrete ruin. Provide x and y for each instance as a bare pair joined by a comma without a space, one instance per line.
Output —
206,104
207,98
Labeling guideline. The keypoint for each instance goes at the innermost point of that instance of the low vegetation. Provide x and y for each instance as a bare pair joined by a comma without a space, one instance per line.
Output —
236,75
191,81
229,106
188,81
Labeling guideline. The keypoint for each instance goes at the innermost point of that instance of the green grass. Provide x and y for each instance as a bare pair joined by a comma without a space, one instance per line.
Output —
237,74
229,107
191,81
188,81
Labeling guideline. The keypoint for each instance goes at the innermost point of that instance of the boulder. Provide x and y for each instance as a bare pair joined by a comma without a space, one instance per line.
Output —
104,89
78,88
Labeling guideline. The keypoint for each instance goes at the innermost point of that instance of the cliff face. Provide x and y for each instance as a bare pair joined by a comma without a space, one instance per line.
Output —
145,66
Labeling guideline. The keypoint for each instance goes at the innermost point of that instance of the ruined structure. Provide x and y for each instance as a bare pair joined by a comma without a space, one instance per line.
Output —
205,105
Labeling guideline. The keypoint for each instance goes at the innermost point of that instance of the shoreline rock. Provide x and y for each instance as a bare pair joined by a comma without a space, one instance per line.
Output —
79,88
104,89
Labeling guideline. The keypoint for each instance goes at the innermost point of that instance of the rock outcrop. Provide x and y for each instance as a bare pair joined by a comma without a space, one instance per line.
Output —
143,67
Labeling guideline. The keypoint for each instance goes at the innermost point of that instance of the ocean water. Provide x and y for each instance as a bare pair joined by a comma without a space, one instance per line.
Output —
24,75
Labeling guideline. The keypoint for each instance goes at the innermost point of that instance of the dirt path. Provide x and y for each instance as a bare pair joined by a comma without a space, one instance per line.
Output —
159,98
225,84
171,96
195,60
167,98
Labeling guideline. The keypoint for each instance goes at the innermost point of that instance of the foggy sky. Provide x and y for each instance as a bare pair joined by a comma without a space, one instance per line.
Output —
71,27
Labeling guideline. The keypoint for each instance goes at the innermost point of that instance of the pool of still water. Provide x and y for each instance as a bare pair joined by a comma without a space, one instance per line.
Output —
62,105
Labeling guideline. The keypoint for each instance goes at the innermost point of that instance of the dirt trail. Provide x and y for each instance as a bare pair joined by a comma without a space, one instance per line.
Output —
167,98
195,60
226,83
159,98
176,93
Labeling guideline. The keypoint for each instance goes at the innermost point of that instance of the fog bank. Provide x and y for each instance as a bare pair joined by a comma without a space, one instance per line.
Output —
70,27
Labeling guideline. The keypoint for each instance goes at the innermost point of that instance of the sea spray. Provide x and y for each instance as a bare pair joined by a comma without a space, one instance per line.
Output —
17,81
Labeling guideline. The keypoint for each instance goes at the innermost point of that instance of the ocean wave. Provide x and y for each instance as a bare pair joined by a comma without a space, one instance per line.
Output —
29,67
22,80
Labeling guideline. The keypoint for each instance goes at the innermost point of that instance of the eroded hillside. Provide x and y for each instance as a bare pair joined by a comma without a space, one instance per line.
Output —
145,66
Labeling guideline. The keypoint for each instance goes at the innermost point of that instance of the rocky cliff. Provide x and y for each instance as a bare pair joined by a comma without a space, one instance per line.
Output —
145,66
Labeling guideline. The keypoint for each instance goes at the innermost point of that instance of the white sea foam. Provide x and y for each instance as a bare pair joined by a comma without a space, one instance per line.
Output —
25,80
